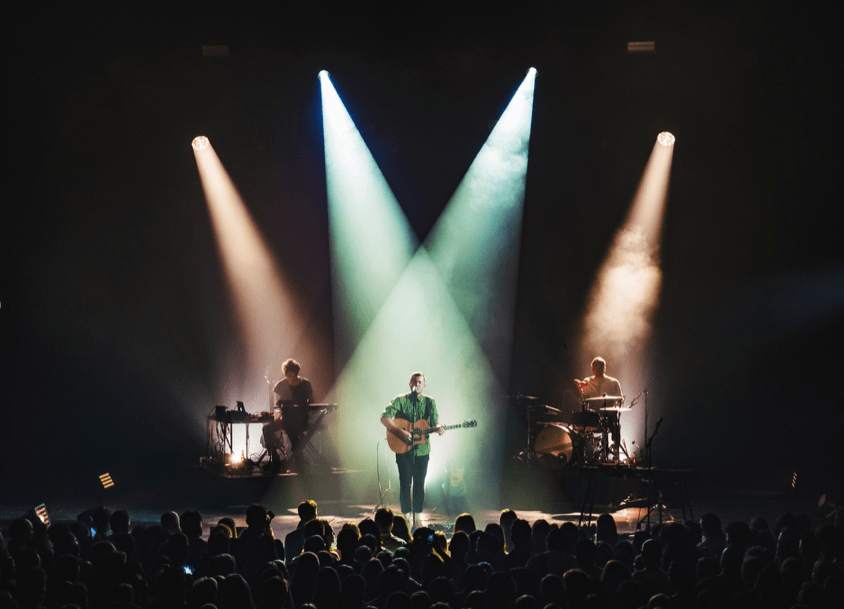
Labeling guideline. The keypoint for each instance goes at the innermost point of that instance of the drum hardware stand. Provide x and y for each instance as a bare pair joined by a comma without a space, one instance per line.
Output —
624,448
596,439
610,423
527,455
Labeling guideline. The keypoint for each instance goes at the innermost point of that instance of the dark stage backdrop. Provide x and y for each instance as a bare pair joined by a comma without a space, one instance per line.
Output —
115,317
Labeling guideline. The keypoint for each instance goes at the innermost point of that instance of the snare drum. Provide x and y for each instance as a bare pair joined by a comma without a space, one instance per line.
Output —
557,447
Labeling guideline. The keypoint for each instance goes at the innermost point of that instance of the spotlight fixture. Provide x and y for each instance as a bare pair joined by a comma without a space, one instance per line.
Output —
200,143
106,480
322,74
665,138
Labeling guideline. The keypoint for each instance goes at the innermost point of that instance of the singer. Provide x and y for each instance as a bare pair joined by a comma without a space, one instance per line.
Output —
413,407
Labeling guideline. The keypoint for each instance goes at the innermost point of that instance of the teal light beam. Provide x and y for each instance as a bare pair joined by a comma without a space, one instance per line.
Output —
371,239
428,322
419,327
475,243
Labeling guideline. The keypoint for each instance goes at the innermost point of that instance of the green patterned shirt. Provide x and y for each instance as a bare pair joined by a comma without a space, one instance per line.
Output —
406,407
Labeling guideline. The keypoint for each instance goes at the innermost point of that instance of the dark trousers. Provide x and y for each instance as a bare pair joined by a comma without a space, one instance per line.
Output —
412,472
295,420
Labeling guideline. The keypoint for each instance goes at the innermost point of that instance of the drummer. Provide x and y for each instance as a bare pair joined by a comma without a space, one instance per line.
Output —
599,385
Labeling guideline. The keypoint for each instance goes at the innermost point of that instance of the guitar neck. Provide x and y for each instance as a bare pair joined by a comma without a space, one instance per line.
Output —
433,429
419,430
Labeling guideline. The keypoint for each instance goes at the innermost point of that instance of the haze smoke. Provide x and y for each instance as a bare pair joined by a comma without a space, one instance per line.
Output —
624,299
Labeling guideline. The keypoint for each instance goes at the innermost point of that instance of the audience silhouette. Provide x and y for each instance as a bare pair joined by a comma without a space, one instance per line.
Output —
103,563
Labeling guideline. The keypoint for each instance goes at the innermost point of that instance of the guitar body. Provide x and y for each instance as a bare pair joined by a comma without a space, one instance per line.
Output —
420,431
399,446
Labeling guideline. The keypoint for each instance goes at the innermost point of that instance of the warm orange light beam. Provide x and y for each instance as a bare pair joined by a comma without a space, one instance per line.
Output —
647,209
627,289
266,312
626,292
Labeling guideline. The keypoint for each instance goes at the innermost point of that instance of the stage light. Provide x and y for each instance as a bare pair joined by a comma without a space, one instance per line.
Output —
625,295
427,312
665,138
371,239
200,143
270,322
475,242
322,74
106,480
647,208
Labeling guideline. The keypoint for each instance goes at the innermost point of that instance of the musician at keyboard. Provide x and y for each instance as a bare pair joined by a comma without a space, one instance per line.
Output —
293,393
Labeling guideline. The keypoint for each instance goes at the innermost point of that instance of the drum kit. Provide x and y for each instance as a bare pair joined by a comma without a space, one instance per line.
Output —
592,438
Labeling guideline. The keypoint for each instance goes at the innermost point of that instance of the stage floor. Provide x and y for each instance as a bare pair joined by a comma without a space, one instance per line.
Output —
349,495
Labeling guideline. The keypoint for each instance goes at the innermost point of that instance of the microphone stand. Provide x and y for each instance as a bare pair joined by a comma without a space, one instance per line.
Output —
270,386
382,493
633,402
649,450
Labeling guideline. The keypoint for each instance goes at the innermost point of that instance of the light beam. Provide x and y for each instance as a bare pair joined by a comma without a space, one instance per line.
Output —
475,243
425,313
626,292
267,316
371,240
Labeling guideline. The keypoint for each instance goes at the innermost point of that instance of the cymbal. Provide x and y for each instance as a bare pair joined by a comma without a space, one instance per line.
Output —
605,398
615,409
522,398
551,408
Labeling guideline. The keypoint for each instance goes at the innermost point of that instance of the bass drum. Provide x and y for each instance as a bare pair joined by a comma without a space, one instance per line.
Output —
556,447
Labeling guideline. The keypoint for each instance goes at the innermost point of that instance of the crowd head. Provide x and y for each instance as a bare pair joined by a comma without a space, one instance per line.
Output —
104,563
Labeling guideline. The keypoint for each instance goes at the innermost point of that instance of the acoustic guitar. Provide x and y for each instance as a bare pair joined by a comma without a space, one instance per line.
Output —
420,431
